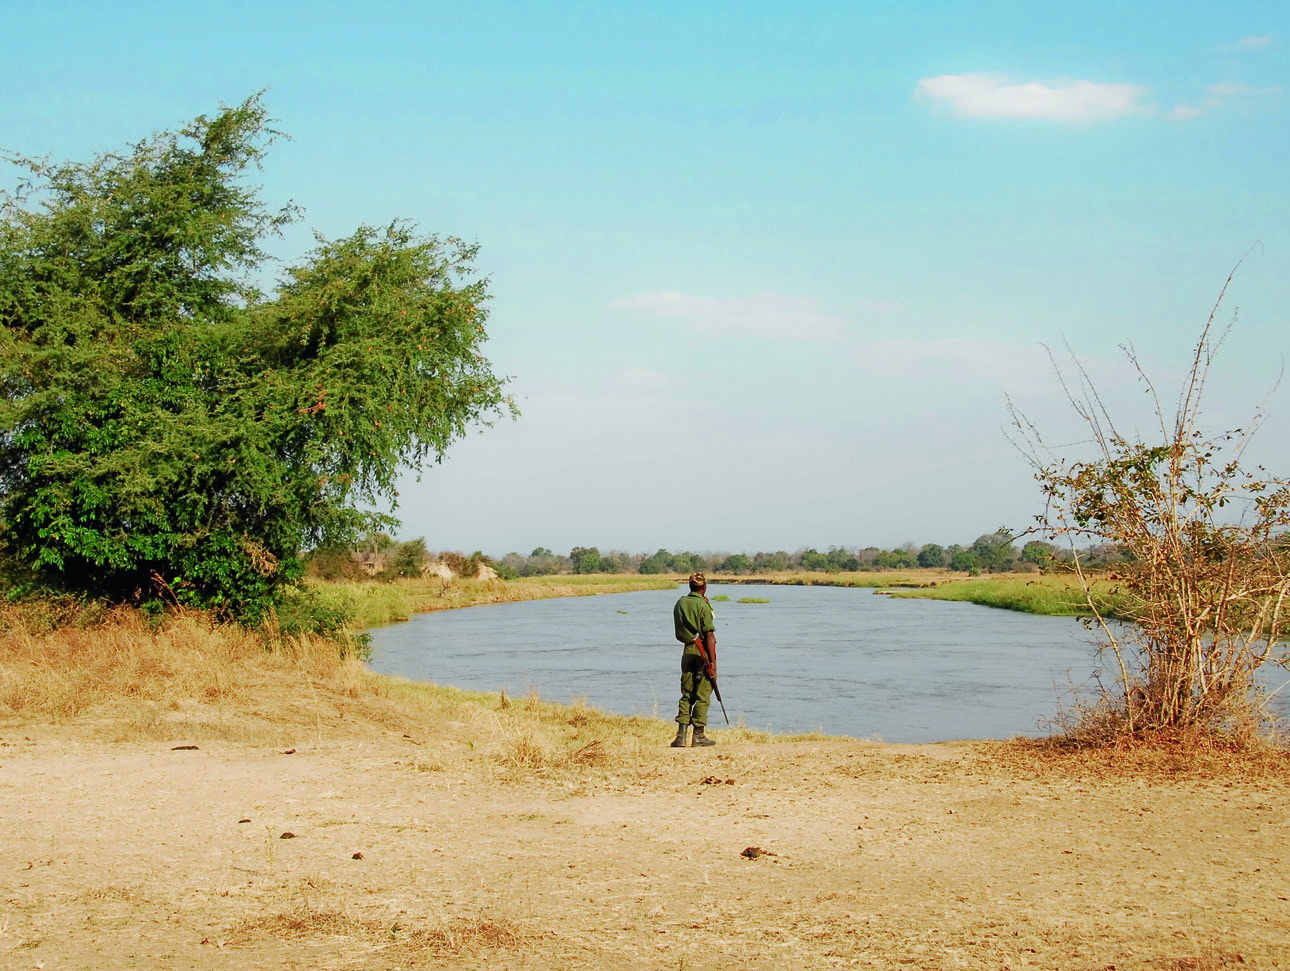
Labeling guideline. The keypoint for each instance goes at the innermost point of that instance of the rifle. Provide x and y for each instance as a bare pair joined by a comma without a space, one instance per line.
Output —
710,669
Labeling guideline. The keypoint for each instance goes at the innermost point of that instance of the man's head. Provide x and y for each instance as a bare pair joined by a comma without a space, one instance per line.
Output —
698,583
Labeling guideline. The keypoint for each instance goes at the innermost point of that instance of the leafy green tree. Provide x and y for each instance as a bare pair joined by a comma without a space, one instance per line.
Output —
375,542
736,563
687,562
770,562
995,551
406,559
814,560
840,559
165,425
656,563
542,562
931,556
615,561
1038,552
966,561
894,560
585,560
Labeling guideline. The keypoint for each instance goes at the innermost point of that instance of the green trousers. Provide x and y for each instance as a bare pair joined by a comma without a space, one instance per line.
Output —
696,692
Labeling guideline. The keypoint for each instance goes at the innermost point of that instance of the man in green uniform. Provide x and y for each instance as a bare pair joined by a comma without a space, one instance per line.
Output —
692,617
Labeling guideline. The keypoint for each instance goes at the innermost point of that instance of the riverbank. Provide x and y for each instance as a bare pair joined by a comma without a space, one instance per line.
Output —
188,796
1050,595
333,819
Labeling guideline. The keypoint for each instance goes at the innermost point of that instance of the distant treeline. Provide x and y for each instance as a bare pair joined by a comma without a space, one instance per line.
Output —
990,553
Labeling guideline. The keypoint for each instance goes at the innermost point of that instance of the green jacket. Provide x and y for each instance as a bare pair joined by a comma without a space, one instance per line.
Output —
692,616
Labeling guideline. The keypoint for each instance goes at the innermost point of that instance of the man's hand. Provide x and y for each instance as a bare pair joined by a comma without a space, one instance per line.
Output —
709,652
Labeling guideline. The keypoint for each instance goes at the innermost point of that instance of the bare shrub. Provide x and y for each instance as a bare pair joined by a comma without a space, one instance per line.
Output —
1206,581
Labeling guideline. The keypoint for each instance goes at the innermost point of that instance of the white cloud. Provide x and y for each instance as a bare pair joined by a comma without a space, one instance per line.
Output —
990,96
1254,42
768,315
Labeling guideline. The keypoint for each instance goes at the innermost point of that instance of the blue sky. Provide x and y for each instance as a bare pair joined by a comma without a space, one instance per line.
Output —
763,276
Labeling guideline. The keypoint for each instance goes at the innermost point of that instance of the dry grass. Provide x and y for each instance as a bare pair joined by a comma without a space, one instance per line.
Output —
394,939
1158,756
378,603
193,676
216,679
1210,959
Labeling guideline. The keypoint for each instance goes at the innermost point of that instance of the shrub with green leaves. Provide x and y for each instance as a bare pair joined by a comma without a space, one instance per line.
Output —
167,429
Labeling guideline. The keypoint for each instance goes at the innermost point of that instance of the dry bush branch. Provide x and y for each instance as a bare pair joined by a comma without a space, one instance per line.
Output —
1207,584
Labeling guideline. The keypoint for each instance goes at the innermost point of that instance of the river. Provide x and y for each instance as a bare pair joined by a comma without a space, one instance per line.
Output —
839,660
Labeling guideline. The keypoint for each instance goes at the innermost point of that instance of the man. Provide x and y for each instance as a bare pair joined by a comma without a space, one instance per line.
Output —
692,618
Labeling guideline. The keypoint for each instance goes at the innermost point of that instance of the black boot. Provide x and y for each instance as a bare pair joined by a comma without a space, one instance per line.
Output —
679,741
700,738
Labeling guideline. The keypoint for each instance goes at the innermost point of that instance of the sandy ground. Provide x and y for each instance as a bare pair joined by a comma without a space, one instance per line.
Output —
140,854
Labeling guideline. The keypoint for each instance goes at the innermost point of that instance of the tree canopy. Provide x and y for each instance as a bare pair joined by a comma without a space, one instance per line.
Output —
167,429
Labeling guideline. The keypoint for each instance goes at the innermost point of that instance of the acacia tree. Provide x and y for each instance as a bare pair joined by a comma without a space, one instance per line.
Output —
1205,583
164,425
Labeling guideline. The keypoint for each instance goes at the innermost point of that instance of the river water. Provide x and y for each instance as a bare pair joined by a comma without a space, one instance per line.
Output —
839,660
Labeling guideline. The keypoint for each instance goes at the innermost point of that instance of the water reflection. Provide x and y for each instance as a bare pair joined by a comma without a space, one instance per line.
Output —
844,661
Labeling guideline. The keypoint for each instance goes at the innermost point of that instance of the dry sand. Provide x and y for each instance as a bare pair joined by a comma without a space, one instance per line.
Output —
409,850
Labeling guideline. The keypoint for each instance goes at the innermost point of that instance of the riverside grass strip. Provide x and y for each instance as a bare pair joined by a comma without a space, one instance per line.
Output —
1047,595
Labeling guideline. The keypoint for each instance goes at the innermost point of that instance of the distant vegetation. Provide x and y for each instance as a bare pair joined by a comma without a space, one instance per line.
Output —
378,556
989,553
